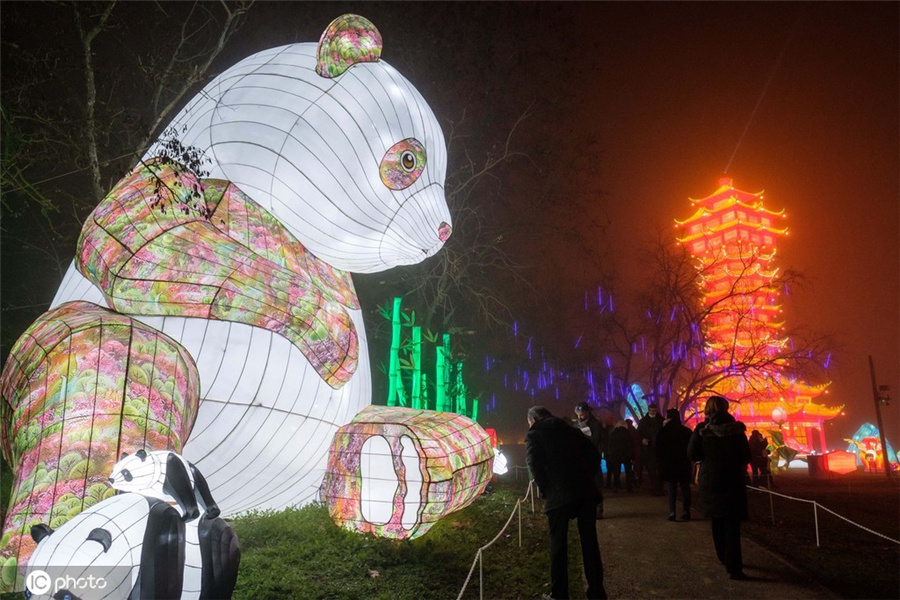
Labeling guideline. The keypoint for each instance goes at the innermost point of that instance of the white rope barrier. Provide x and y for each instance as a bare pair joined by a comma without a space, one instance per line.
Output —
860,526
478,554
817,506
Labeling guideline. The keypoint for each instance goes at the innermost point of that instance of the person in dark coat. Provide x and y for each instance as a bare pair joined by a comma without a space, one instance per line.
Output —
720,445
596,432
649,427
564,464
620,450
759,459
636,470
674,464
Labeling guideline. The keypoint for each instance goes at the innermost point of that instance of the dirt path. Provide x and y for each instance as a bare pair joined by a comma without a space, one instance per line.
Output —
647,556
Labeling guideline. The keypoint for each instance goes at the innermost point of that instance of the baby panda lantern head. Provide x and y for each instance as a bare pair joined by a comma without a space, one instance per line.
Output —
160,474
334,142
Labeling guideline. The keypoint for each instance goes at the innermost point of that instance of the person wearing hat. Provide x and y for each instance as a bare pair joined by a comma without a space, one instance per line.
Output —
720,445
674,464
594,429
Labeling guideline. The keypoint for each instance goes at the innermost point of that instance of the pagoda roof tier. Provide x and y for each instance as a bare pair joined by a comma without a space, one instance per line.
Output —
802,388
794,413
707,209
811,409
706,231
728,327
754,269
726,192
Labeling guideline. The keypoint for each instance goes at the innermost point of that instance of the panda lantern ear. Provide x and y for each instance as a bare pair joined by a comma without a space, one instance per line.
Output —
40,531
141,454
347,40
124,454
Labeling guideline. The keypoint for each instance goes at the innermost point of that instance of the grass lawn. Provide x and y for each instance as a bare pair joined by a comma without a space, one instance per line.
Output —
301,554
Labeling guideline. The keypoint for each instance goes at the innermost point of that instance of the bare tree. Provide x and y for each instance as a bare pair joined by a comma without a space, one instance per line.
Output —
699,341
76,117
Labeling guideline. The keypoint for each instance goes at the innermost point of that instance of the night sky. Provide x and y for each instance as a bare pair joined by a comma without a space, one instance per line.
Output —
641,106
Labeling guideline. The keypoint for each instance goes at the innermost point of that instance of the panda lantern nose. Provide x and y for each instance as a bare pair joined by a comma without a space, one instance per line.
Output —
444,232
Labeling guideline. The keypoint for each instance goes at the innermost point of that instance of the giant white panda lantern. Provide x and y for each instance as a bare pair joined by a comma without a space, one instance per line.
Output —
320,159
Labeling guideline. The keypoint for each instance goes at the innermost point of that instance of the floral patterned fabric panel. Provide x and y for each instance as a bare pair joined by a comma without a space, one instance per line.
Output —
240,218
454,458
81,386
348,40
148,261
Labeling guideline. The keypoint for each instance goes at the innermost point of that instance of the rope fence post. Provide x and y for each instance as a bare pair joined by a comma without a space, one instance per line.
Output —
816,516
519,508
772,506
480,575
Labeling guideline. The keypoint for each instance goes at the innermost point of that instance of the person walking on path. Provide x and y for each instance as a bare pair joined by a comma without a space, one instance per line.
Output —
563,464
649,427
674,464
620,450
594,429
720,445
636,471
759,459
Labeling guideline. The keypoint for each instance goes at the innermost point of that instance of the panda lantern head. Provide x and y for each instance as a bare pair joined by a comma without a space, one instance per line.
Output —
143,473
335,143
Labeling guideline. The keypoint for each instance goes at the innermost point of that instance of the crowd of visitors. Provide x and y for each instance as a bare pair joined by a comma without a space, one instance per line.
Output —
567,467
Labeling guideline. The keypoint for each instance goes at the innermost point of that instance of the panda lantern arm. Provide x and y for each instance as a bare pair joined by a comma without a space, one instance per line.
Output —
204,497
178,485
162,557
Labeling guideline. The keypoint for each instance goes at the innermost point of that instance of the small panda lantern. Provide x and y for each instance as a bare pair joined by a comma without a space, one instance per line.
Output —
161,537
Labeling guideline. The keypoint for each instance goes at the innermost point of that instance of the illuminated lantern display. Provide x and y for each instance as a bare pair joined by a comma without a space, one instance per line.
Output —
866,446
395,472
840,461
306,161
492,434
733,237
317,159
83,384
160,537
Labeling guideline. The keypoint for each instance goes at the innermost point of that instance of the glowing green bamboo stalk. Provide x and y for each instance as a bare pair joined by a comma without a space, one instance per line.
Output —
441,369
460,391
417,367
474,416
394,381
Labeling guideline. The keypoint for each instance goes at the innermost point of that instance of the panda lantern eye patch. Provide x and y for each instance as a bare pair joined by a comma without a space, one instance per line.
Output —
126,474
102,537
402,164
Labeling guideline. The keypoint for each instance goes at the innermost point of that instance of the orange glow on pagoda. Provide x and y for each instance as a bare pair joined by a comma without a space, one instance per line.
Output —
733,238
